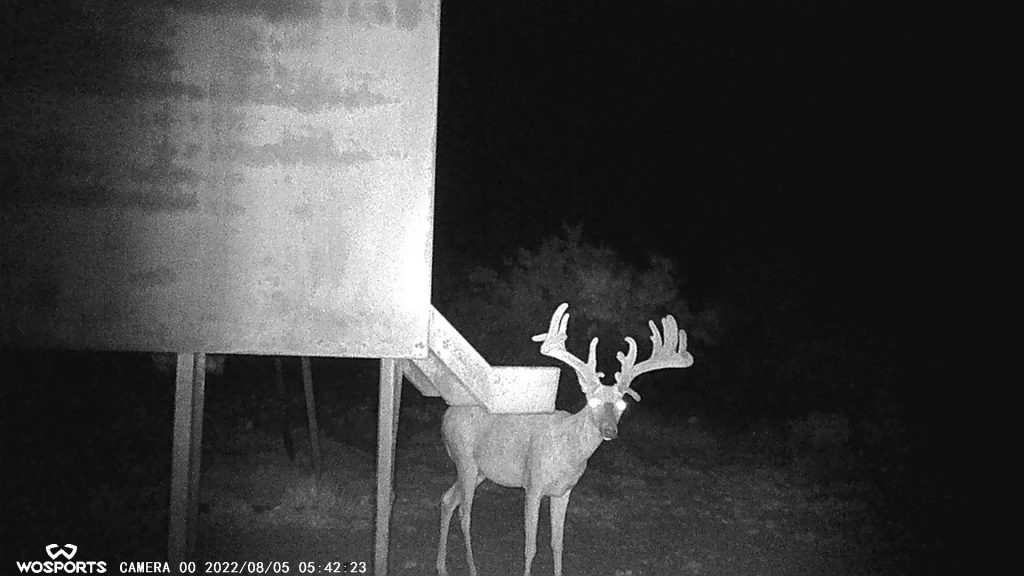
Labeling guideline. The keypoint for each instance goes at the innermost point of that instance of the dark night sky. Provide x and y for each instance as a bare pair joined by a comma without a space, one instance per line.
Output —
715,132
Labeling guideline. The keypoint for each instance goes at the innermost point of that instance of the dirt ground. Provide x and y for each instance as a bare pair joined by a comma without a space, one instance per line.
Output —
659,501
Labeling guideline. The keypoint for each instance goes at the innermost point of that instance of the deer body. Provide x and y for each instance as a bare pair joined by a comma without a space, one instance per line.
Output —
545,454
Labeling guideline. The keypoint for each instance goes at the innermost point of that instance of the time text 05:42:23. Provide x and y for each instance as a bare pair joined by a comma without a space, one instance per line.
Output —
336,567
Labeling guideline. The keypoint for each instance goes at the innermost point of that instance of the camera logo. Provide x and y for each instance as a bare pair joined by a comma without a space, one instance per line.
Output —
55,550
66,566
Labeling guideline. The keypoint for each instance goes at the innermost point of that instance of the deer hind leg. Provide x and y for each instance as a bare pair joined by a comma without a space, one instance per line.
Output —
559,504
532,513
469,483
449,502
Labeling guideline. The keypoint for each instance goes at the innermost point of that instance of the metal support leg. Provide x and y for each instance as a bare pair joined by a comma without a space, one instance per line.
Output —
186,458
387,433
282,411
314,431
196,447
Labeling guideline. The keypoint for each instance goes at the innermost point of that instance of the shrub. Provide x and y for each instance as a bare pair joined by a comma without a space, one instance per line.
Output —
609,297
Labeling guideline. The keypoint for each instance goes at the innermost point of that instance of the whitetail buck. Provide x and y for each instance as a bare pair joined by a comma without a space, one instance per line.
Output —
545,453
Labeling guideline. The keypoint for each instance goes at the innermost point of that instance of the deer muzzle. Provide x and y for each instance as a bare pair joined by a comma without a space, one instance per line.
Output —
607,422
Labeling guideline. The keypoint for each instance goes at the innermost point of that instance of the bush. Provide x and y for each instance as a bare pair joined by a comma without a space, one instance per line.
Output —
609,297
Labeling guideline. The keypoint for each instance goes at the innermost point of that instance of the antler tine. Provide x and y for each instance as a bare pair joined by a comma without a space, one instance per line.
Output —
554,346
669,352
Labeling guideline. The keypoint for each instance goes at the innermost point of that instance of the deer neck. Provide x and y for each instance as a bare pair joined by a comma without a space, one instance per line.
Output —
582,433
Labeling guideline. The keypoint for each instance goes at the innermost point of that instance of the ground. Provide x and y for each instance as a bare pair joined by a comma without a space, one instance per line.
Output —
664,499
85,458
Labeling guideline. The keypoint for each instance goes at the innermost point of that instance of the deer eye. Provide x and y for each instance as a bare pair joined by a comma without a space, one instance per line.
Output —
620,404
594,402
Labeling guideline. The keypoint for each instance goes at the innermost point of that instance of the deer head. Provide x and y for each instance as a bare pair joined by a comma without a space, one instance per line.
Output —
605,403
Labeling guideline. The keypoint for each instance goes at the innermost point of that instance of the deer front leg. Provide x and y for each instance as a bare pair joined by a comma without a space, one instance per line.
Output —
559,504
531,515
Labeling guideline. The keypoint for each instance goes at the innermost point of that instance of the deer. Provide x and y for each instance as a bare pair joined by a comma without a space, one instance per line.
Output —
545,453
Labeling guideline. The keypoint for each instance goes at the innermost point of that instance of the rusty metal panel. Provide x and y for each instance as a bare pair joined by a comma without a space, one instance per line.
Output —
220,176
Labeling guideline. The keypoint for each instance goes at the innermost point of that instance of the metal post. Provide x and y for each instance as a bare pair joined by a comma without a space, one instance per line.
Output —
387,433
282,411
196,448
177,537
314,434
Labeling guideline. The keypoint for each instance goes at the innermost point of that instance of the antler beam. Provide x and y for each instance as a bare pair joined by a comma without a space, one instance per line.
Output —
554,346
667,352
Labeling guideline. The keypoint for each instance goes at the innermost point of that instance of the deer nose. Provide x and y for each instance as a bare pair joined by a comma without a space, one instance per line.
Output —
609,431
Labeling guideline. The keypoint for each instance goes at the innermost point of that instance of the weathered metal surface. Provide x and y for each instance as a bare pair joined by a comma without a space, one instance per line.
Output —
219,176
454,370
457,354
521,389
420,379
432,378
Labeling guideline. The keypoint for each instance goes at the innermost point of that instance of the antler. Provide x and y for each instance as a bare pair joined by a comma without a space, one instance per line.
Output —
668,353
554,346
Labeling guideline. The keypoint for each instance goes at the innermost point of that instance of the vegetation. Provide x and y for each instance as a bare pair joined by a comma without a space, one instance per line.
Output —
763,353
